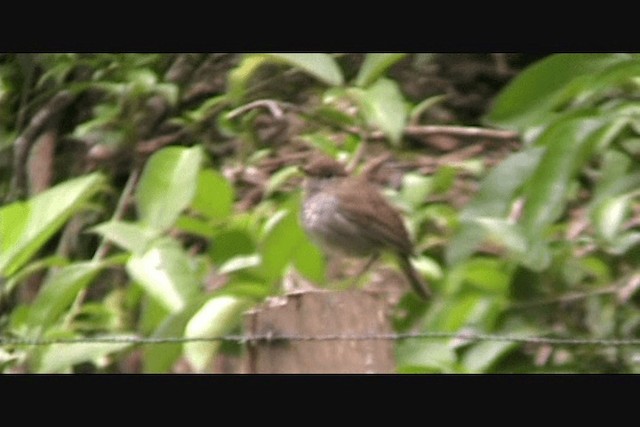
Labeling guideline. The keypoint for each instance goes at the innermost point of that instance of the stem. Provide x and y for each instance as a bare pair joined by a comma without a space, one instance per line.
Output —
104,246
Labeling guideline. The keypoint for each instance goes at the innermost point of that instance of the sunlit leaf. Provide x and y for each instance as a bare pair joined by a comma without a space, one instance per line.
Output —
384,107
59,291
160,358
320,65
415,189
481,356
214,195
59,357
488,274
608,217
26,226
435,356
374,65
280,245
215,318
134,237
545,85
167,185
310,261
229,243
166,273
546,190
279,178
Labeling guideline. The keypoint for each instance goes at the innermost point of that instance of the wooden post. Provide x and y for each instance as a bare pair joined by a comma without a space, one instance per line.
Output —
322,313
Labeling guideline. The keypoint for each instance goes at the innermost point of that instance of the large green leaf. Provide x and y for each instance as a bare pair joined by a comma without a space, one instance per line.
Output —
217,317
160,357
546,85
481,356
134,237
166,273
167,185
425,356
58,358
609,216
568,143
58,292
384,106
494,199
499,187
280,244
320,65
26,226
374,65
214,195
239,77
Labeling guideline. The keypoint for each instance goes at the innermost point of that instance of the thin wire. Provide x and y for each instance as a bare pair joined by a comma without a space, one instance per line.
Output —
268,338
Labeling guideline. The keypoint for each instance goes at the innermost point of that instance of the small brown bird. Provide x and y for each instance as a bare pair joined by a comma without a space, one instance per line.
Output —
348,214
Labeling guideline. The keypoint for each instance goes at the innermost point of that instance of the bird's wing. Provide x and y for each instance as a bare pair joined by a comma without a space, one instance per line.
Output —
384,222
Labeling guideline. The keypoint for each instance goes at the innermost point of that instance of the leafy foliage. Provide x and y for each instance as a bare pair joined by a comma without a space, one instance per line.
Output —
207,226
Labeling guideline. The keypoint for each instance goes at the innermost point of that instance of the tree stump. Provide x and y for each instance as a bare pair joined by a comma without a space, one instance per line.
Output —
322,314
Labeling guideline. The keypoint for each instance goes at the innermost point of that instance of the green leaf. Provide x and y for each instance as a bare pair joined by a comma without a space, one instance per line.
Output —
310,261
504,233
278,179
167,185
214,195
57,358
166,273
31,268
423,106
374,65
26,226
415,189
493,200
609,216
239,77
624,242
567,142
229,243
435,356
58,292
481,356
217,317
428,267
133,237
320,65
240,262
546,85
488,274
384,106
160,358
498,188
280,245
615,179
195,226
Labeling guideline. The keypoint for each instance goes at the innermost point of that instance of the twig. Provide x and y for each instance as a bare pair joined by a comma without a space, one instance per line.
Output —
104,245
466,131
460,131
118,213
274,108
23,143
566,298
154,144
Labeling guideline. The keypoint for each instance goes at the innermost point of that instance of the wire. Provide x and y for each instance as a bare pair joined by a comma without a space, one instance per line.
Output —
270,338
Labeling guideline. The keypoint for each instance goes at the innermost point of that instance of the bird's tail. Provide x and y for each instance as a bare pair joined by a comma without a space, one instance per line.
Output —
417,283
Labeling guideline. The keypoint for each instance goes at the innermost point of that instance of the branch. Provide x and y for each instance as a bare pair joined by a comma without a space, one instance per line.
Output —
23,143
274,108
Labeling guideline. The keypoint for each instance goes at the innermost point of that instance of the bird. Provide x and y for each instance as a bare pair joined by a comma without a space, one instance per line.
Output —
347,214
